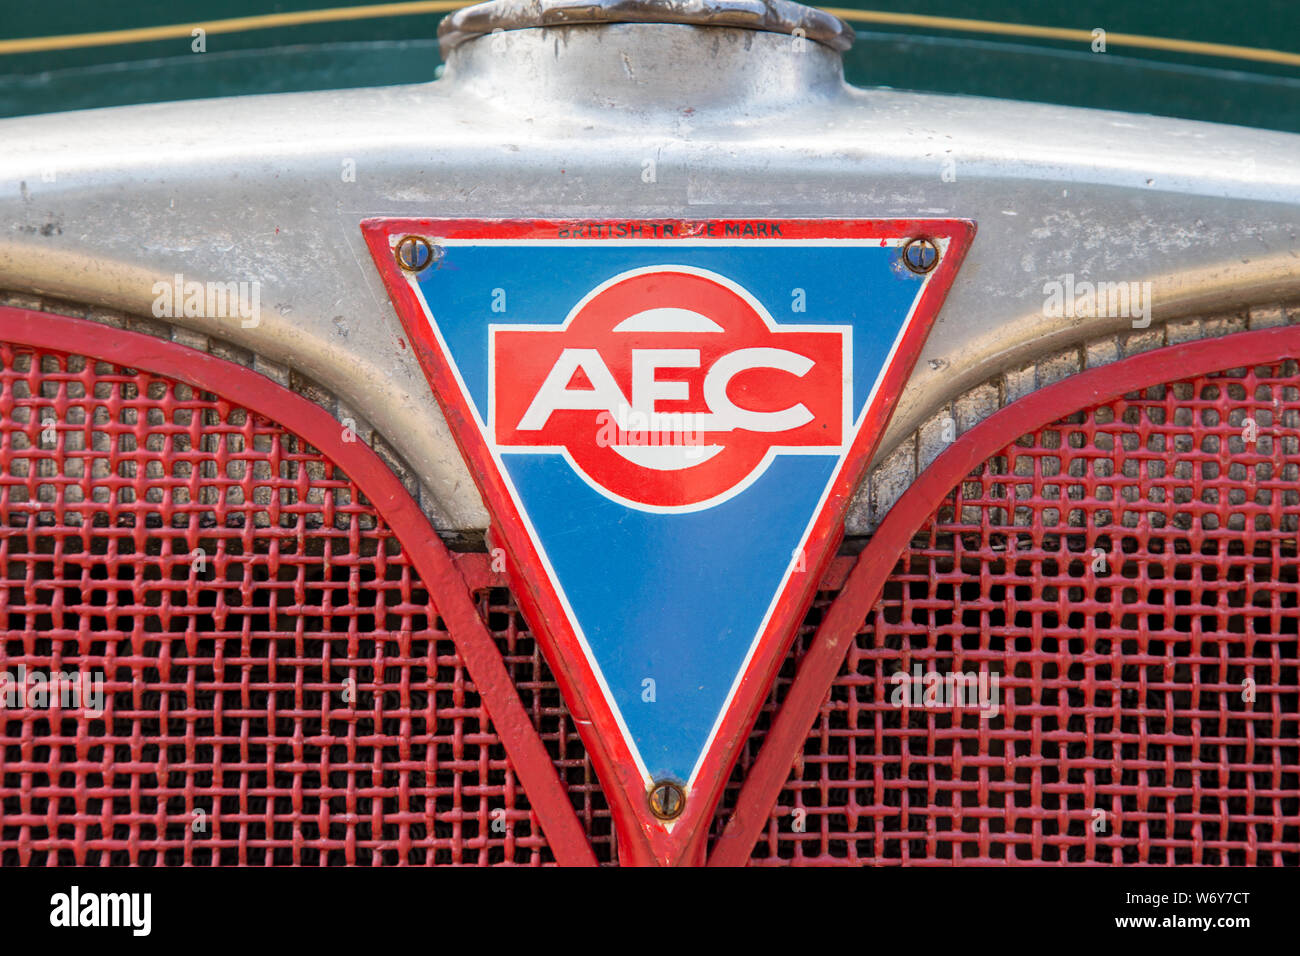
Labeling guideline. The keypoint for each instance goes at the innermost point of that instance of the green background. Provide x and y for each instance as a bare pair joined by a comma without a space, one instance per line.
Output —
403,50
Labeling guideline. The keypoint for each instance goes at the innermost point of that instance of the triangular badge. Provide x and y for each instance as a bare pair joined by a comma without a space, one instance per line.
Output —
667,420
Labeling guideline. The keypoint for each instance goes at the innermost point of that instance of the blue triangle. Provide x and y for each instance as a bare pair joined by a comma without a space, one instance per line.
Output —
677,599
672,598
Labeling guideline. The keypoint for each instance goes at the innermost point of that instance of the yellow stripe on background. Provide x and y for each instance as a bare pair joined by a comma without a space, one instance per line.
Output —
338,14
267,21
1063,33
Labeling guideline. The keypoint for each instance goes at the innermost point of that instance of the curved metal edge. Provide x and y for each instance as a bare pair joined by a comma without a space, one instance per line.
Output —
528,756
898,466
1177,296
287,374
769,16
820,666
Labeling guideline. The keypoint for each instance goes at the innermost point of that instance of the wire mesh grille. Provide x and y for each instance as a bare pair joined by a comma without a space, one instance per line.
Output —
276,684
541,698
277,687
1130,575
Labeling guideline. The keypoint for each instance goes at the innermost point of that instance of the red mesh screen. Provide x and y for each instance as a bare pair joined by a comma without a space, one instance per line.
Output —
1124,734
1131,574
295,685
541,698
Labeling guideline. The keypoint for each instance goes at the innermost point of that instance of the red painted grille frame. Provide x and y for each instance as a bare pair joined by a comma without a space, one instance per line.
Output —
458,675
325,574
229,584
954,795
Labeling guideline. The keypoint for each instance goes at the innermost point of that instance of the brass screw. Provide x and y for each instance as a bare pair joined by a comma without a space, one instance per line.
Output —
667,800
920,255
414,253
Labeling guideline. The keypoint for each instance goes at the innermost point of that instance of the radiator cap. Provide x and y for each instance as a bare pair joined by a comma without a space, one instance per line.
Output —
769,16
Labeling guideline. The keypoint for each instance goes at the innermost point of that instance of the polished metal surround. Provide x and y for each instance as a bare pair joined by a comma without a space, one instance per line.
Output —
95,207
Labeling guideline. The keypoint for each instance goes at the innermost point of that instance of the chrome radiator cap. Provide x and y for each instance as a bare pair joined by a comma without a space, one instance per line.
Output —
768,16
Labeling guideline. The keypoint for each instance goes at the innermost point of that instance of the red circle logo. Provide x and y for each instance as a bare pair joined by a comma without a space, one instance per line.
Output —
669,388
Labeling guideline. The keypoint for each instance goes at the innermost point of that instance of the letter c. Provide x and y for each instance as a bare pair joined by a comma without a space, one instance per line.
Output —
729,416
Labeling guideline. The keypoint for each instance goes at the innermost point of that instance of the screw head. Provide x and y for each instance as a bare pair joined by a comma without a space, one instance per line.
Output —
414,253
920,255
667,800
